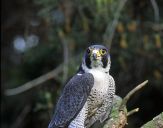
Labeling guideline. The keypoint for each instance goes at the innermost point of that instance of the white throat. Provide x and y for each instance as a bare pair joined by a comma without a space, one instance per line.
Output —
96,69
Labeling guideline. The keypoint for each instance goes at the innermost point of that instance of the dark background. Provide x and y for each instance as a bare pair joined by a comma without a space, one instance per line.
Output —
39,35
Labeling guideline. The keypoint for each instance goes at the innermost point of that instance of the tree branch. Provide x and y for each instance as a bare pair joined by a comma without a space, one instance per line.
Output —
156,122
34,82
110,29
37,81
118,116
156,11
131,93
132,111
21,117
64,42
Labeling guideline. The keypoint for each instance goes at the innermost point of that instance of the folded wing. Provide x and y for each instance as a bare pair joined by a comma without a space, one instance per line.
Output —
72,100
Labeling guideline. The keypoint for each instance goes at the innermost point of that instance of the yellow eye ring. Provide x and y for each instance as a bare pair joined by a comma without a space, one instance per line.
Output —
102,51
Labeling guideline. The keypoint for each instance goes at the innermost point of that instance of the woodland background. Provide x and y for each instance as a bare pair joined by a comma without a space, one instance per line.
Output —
39,36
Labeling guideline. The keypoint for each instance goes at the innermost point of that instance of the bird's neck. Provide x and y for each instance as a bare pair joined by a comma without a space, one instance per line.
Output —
95,70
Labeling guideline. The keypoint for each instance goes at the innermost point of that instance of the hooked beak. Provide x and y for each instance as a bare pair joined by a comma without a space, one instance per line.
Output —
94,56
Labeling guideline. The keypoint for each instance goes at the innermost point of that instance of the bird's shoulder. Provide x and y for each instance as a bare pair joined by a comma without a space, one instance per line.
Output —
72,99
81,80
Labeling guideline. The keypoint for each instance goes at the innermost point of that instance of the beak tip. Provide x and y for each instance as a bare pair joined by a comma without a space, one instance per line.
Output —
94,56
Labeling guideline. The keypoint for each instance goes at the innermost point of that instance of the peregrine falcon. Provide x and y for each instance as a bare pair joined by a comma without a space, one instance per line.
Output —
88,95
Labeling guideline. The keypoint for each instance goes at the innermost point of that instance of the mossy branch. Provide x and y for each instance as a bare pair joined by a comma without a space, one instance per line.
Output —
156,122
119,114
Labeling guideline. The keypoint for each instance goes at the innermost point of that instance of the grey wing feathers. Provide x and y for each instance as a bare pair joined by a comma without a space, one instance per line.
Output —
72,100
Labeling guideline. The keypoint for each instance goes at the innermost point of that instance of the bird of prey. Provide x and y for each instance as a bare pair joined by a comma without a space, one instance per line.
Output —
88,95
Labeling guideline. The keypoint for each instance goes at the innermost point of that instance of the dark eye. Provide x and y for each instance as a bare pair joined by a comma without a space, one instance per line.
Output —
103,51
88,51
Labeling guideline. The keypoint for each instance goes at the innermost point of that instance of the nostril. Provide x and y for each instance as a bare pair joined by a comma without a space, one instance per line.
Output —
94,56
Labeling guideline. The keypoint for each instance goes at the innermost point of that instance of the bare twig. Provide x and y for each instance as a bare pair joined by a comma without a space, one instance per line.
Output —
63,67
34,82
119,114
156,11
110,30
133,91
21,117
65,54
132,111
37,81
154,26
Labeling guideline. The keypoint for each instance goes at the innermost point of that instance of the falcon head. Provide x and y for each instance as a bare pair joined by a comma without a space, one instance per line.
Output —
96,57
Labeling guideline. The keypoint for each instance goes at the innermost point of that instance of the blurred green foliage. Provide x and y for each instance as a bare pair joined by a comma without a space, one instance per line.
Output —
72,25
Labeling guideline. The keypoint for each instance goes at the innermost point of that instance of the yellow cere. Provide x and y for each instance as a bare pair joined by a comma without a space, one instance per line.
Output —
98,53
